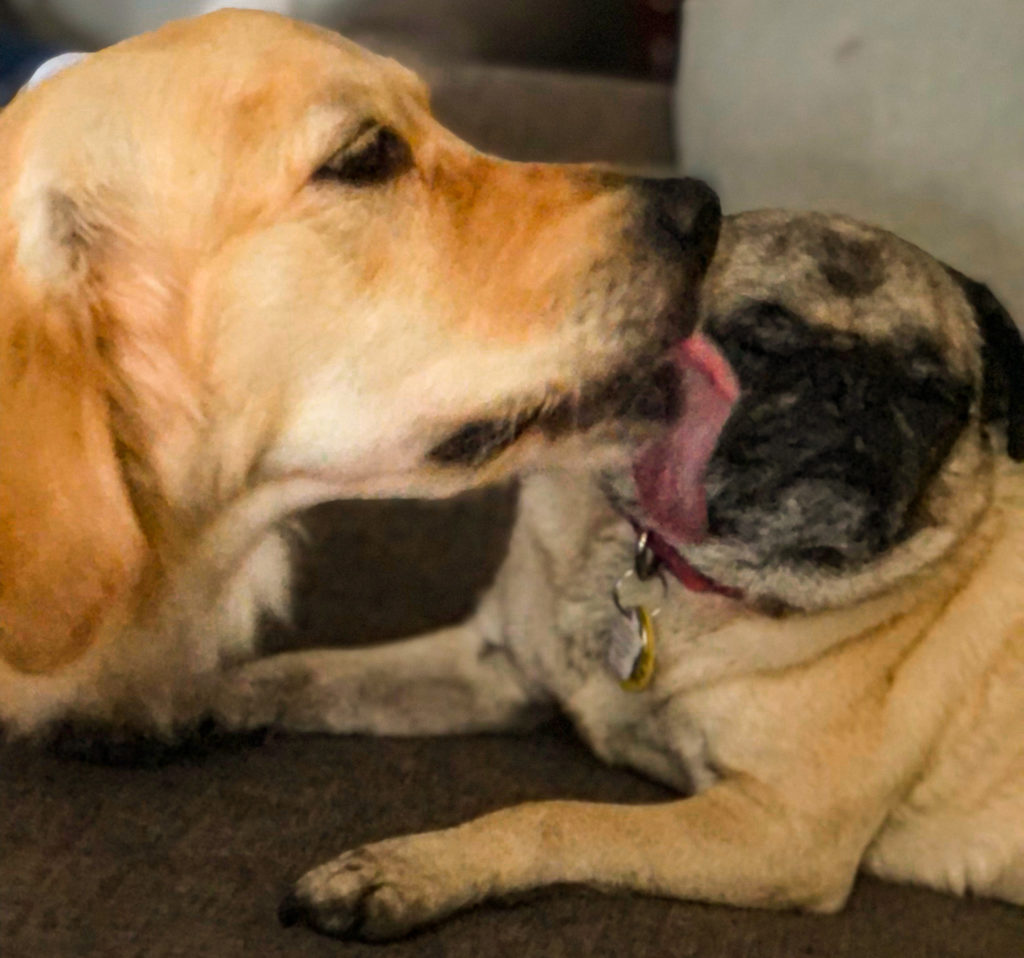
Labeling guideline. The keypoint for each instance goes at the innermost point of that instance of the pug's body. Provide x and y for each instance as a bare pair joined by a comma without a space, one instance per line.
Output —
837,669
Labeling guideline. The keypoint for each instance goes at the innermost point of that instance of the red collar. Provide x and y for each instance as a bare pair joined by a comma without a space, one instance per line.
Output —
691,578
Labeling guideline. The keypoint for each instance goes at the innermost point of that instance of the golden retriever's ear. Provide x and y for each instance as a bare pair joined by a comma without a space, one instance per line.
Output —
71,548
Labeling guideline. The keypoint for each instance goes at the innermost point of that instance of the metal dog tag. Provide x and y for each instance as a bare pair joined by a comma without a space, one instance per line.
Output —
631,648
632,641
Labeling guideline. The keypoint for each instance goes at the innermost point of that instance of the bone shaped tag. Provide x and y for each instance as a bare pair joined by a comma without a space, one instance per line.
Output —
631,648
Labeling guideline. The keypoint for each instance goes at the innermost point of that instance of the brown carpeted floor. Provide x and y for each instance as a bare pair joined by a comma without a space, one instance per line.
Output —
189,858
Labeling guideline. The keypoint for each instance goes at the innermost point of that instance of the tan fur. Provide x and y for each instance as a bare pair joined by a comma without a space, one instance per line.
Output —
199,336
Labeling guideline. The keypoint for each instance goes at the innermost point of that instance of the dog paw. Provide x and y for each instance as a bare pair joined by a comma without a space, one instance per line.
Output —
375,893
257,695
239,703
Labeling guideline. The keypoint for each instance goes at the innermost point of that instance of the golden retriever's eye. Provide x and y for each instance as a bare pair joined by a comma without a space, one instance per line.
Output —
376,157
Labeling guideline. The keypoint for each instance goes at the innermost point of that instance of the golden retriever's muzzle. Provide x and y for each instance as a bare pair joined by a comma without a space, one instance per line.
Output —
670,241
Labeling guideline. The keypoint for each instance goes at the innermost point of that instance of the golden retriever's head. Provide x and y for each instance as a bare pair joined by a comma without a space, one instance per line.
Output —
240,251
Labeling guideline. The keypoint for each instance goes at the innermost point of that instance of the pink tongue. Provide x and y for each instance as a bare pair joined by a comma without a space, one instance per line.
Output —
669,472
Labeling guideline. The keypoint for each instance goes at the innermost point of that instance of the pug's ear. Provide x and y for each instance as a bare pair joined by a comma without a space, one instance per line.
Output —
1002,356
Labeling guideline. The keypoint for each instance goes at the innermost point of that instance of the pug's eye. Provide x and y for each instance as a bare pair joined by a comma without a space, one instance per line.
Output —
374,157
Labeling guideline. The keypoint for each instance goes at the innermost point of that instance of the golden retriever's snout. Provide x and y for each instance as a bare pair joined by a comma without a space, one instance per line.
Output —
685,215
646,303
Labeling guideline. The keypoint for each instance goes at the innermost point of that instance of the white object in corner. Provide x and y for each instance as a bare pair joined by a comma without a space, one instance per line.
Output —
52,67
111,20
909,114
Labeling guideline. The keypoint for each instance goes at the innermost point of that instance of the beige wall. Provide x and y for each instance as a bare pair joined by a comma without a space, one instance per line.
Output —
908,113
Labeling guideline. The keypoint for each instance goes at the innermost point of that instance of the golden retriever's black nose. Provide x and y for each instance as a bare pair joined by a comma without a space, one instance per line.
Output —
682,216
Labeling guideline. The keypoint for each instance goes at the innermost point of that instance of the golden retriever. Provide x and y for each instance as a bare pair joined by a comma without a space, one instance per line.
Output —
244,271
